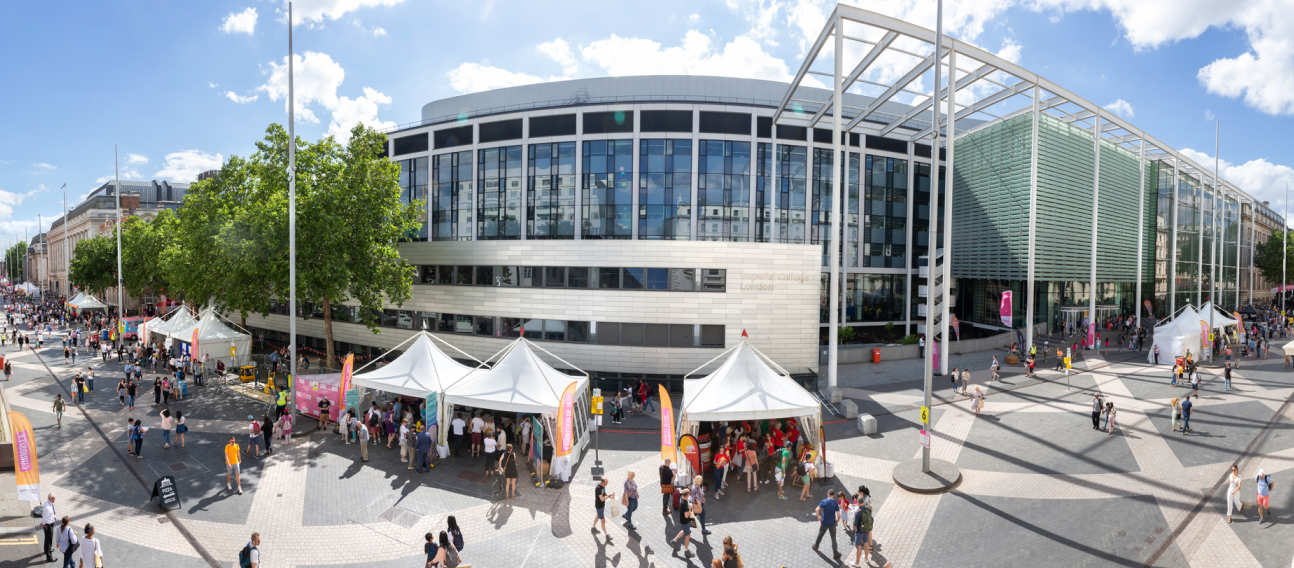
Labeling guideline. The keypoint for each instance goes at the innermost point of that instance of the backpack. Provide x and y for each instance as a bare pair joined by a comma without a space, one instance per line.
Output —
245,556
256,428
863,520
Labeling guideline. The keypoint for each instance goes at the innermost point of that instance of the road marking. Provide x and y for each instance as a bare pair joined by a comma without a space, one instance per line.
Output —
18,541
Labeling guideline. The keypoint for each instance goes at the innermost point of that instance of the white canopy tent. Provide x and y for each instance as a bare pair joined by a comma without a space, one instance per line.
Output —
84,301
749,386
180,316
1177,335
518,380
1221,318
216,340
28,288
1288,349
422,370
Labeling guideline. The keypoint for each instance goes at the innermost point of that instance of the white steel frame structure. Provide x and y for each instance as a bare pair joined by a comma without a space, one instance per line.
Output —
985,88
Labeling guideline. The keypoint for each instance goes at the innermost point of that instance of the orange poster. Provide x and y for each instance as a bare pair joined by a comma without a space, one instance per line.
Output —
24,458
566,422
667,447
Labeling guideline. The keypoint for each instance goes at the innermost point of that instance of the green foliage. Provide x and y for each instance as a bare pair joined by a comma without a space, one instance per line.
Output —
908,340
846,334
14,262
94,264
1268,256
143,243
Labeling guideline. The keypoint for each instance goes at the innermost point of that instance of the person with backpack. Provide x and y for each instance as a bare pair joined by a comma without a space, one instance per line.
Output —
250,555
862,523
455,535
136,433
253,436
446,554
68,543
1264,483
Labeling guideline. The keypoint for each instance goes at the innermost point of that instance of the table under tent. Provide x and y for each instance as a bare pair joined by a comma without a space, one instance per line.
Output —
517,380
218,339
421,372
747,386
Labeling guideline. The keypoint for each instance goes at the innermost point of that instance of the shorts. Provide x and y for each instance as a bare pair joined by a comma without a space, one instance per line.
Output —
232,468
1263,500
602,512
476,438
860,538
182,428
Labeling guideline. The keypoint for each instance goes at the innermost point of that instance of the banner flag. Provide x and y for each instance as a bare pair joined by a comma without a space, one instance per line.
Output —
431,416
194,341
667,447
536,438
687,444
1004,308
347,364
27,471
565,422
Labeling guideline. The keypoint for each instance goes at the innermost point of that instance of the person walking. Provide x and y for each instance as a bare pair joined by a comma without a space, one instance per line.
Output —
508,465
136,433
68,542
828,514
167,424
1175,410
1156,353
91,549
685,519
233,465
1226,377
267,432
250,555
1186,414
630,499
363,443
1233,492
253,436
666,486
1195,382
48,519
59,406
995,367
697,491
1097,407
1264,483
423,448
131,388
978,400
750,466
600,497
862,523
79,384
180,427
1109,418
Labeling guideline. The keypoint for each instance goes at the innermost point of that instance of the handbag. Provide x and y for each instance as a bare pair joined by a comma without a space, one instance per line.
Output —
666,488
624,500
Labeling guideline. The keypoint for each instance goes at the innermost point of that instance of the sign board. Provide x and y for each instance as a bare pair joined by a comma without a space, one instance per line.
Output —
597,405
925,438
233,350
168,495
925,414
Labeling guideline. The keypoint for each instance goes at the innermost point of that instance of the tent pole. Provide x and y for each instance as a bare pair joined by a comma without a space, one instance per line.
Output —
388,352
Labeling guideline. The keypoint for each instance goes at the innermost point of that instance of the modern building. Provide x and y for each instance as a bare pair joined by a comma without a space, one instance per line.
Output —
97,215
638,225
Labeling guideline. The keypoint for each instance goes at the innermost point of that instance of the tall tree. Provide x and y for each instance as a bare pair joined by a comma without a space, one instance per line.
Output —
1269,253
94,264
14,262
143,243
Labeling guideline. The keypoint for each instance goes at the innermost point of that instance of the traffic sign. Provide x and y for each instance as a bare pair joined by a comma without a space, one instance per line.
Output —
925,415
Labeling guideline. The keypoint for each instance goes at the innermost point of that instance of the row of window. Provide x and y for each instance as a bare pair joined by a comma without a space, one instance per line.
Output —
571,331
579,277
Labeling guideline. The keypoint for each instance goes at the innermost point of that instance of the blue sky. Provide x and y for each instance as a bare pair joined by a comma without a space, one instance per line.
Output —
181,85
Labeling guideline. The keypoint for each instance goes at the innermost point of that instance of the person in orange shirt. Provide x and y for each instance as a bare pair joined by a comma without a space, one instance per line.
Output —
233,457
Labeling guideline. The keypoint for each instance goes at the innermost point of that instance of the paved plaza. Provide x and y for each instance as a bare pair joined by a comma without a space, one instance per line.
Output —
1040,487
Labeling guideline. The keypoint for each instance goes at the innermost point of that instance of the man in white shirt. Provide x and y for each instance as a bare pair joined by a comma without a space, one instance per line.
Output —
48,519
477,431
456,429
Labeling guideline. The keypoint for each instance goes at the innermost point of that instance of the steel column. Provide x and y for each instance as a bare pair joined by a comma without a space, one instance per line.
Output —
1030,284
835,240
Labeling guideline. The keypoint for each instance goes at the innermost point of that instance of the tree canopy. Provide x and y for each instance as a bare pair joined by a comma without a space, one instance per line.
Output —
1268,255
94,264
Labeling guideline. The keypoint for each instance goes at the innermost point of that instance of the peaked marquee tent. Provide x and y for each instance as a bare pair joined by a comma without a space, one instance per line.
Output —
518,380
215,339
422,370
1174,337
748,386
180,317
84,301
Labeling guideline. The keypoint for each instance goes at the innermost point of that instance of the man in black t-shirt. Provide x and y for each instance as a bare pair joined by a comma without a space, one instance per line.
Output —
666,483
324,404
600,497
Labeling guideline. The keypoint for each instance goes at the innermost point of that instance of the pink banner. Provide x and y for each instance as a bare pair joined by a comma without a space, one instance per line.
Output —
566,421
310,389
1004,308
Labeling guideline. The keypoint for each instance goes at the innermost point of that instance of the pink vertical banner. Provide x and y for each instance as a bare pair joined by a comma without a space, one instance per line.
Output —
566,422
1004,308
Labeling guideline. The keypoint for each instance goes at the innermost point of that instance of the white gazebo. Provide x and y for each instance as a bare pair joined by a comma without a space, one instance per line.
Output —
518,380
1176,335
423,371
180,317
748,385
217,340
84,301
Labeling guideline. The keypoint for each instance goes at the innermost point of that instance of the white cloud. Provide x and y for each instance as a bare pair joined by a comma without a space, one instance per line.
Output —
474,77
44,166
1260,178
379,32
560,51
1208,115
693,18
240,22
1011,50
185,165
317,11
318,78
694,55
212,84
1122,108
40,188
241,99
136,159
9,200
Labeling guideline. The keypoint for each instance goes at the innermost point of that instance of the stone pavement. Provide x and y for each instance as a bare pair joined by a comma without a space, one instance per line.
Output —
1040,487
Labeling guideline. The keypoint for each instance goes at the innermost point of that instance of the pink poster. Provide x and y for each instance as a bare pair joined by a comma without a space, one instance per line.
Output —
310,389
1004,309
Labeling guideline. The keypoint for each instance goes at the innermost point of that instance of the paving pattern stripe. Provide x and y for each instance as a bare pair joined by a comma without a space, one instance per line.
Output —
1152,452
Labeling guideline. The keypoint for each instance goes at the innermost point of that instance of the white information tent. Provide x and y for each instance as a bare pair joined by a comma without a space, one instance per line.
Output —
218,340
180,317
1221,318
84,301
421,371
518,380
1177,335
748,385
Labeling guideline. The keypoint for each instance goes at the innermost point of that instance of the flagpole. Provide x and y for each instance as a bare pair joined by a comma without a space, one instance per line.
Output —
116,174
292,222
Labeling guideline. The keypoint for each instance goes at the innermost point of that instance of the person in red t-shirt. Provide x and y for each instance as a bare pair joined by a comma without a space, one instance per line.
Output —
721,460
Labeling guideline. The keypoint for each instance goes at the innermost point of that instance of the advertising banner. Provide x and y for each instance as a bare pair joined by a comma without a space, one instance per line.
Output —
691,451
310,389
430,410
1004,308
26,470
667,447
194,342
566,422
347,366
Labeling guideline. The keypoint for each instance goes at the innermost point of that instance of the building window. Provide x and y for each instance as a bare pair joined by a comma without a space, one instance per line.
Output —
665,189
723,190
499,181
608,203
555,277
792,177
632,278
451,215
609,278
711,336
413,189
885,213
550,196
822,172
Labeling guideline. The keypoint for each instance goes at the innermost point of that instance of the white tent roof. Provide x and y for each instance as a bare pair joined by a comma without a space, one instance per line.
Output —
1220,317
421,370
28,287
77,298
519,381
179,318
210,327
87,302
746,387
1288,348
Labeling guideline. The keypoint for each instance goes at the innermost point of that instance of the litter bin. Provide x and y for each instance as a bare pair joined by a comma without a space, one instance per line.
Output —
876,354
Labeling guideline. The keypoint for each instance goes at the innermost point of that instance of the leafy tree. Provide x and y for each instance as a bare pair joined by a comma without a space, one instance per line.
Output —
13,258
143,243
1268,254
94,264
